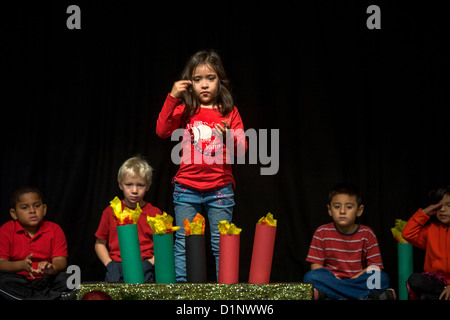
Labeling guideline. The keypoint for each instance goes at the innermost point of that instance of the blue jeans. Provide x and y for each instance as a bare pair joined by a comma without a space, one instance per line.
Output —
187,203
325,281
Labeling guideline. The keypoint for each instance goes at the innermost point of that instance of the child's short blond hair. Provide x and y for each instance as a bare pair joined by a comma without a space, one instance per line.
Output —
136,166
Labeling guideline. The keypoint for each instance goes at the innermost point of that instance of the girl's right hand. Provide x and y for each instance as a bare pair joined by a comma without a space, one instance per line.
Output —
431,209
179,87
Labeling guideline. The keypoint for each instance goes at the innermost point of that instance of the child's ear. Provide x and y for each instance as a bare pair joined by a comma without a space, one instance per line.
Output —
13,214
148,186
329,210
360,210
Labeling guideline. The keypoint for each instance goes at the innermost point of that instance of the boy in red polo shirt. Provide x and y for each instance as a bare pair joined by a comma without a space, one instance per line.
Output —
135,178
33,252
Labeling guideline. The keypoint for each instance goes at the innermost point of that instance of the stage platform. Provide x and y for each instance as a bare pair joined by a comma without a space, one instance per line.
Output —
200,291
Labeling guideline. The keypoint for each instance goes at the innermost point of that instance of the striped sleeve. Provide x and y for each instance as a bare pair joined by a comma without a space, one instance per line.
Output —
316,253
373,254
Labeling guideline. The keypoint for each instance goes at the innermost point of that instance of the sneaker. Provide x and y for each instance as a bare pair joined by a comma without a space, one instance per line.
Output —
71,295
411,294
319,295
388,294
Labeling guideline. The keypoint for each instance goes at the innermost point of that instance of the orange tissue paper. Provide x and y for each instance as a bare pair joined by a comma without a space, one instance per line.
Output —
197,226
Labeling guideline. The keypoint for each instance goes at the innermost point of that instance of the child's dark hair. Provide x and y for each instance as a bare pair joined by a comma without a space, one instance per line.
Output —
22,190
224,100
436,195
346,188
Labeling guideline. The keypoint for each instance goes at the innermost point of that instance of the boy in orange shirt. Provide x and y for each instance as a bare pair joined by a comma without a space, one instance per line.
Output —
428,229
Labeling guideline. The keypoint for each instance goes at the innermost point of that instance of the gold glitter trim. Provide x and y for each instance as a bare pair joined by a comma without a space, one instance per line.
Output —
201,291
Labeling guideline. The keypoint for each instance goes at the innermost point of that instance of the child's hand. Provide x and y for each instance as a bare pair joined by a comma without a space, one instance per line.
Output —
445,295
221,130
27,265
44,267
431,209
179,87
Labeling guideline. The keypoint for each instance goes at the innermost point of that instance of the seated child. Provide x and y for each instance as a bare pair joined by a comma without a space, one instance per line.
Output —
135,178
428,229
345,258
33,252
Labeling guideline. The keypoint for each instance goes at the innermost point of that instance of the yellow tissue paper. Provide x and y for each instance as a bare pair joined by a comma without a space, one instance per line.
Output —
161,224
226,228
126,216
397,230
268,220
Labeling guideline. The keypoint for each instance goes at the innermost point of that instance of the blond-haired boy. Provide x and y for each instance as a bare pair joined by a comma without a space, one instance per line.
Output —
134,178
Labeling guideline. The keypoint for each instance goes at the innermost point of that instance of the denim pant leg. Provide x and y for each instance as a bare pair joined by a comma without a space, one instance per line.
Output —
367,283
325,281
219,205
187,203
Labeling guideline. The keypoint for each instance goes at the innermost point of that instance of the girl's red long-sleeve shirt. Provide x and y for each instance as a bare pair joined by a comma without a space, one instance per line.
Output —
434,237
205,158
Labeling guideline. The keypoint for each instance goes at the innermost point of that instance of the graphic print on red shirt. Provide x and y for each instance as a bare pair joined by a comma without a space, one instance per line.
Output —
203,138
204,161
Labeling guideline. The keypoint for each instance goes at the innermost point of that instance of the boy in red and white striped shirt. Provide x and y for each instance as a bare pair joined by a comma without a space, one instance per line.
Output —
345,258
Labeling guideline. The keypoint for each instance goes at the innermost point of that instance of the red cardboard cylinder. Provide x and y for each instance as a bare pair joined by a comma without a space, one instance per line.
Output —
262,255
229,258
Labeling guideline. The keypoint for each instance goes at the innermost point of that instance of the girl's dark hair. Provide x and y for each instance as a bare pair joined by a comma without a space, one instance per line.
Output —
224,100
22,190
436,195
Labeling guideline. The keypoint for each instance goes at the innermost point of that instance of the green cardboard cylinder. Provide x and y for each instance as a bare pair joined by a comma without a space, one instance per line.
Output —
164,258
130,253
405,268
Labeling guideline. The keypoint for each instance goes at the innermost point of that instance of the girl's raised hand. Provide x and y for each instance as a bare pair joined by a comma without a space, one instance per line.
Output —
445,295
431,209
180,87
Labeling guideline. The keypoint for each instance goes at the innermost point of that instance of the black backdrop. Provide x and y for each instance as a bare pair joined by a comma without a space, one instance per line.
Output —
351,104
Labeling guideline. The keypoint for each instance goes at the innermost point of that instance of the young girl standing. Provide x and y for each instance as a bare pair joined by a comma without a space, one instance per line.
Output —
202,106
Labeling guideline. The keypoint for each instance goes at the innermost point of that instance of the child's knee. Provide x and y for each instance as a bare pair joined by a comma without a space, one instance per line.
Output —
384,279
314,275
